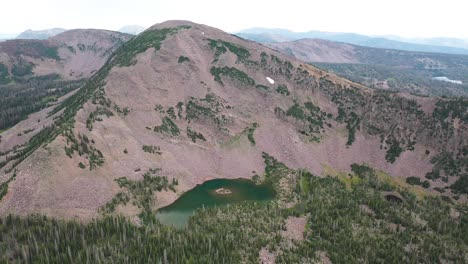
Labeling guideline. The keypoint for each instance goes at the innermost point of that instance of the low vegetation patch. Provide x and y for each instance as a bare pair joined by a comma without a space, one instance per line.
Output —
352,121
310,118
159,108
209,108
183,59
170,111
4,186
124,111
84,147
22,69
220,47
4,74
232,73
448,164
394,150
96,115
152,149
461,185
140,193
417,181
167,127
262,87
250,133
193,135
195,110
282,89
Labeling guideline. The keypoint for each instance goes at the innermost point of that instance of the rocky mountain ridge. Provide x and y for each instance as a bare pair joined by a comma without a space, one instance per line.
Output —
195,103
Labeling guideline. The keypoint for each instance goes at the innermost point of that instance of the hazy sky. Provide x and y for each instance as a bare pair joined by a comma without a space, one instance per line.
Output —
409,18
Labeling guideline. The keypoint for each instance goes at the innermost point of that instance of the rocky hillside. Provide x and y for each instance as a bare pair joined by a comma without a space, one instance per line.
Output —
193,103
392,69
71,55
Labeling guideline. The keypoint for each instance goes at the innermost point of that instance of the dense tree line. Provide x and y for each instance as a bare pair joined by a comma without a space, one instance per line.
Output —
354,224
17,101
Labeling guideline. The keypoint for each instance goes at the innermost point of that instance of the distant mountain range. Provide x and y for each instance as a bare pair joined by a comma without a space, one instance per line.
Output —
132,29
438,45
450,42
409,71
40,34
71,55
47,33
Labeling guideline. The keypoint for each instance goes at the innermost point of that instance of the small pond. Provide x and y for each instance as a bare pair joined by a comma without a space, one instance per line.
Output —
213,193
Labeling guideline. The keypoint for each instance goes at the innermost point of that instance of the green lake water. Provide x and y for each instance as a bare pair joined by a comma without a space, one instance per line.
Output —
205,195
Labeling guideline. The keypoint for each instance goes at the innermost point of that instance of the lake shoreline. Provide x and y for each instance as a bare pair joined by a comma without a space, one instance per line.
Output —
212,193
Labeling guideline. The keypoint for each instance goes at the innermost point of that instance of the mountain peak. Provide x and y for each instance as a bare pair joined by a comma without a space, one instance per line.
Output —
174,23
40,34
132,29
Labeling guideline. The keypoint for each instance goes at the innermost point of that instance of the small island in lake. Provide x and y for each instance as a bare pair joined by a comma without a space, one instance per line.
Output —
223,191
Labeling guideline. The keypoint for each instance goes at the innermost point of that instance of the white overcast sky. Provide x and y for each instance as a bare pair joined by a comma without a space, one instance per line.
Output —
408,18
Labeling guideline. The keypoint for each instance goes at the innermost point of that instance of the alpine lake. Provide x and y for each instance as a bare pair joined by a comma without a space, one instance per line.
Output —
213,193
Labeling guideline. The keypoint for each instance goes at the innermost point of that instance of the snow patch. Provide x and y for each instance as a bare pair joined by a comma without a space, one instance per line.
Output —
445,79
270,80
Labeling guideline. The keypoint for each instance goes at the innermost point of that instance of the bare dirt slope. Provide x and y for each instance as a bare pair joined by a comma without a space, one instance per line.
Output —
198,103
73,54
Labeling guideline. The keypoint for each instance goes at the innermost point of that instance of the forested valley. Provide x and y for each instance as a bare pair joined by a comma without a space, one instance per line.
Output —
357,218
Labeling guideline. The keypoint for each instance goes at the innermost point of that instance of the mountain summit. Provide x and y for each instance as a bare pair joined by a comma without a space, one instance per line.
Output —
132,29
195,103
